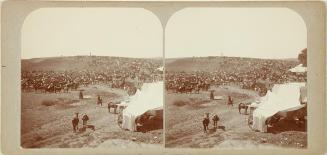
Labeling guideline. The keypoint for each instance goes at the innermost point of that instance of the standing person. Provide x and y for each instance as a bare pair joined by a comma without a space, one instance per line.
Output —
109,106
211,95
215,120
99,100
75,122
80,95
205,123
230,101
85,118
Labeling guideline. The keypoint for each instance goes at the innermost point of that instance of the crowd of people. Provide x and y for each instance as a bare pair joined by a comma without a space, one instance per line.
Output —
254,74
123,73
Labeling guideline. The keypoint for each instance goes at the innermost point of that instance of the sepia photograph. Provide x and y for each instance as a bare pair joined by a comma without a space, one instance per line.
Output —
91,77
236,78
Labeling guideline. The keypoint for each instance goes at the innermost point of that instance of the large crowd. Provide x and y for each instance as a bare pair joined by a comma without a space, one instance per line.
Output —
258,76
123,73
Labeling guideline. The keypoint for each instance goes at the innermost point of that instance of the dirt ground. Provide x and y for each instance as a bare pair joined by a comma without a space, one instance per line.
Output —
46,121
184,129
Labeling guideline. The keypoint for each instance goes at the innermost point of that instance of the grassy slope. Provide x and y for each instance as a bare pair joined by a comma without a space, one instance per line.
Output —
214,63
50,126
74,63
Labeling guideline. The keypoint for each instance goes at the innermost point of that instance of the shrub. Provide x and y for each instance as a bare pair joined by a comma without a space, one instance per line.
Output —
180,103
48,103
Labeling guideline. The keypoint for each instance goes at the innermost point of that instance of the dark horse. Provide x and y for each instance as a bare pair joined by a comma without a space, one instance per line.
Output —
112,105
75,122
205,123
243,106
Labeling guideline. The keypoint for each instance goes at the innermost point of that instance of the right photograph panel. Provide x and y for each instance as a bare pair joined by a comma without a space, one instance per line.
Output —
235,78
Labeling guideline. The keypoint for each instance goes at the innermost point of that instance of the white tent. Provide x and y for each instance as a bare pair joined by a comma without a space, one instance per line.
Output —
282,97
298,69
148,98
160,68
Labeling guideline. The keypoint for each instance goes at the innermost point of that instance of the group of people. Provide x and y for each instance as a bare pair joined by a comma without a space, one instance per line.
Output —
206,122
253,74
75,123
215,118
110,104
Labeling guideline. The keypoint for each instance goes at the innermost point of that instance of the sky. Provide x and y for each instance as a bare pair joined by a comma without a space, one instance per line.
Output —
125,32
273,33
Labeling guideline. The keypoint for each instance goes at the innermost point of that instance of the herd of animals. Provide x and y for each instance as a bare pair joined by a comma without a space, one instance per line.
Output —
118,73
258,77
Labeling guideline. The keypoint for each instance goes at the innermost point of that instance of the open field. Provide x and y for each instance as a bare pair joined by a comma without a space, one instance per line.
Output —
46,121
227,64
184,114
78,63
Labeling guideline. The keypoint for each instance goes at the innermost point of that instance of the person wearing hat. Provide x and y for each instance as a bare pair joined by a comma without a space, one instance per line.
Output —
230,101
211,95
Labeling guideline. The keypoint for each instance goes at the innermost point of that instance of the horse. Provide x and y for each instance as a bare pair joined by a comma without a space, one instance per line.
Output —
57,88
112,105
243,106
205,123
188,89
75,122
50,88
66,88
197,89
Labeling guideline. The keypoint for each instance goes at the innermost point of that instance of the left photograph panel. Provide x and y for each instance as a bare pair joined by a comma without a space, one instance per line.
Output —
91,77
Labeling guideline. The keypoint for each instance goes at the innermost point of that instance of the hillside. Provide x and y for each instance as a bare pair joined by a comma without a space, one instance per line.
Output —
81,63
228,64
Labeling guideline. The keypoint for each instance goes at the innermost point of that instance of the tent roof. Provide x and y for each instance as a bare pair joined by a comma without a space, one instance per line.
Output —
149,97
160,68
298,69
282,98
303,94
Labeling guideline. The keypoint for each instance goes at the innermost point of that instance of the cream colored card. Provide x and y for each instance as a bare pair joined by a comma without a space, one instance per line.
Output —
77,41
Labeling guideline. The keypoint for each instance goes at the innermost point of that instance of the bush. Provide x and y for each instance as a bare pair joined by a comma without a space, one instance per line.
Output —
180,103
48,103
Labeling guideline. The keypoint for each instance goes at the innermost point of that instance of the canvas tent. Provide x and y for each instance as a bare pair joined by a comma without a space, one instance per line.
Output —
160,68
282,98
303,95
298,69
148,99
